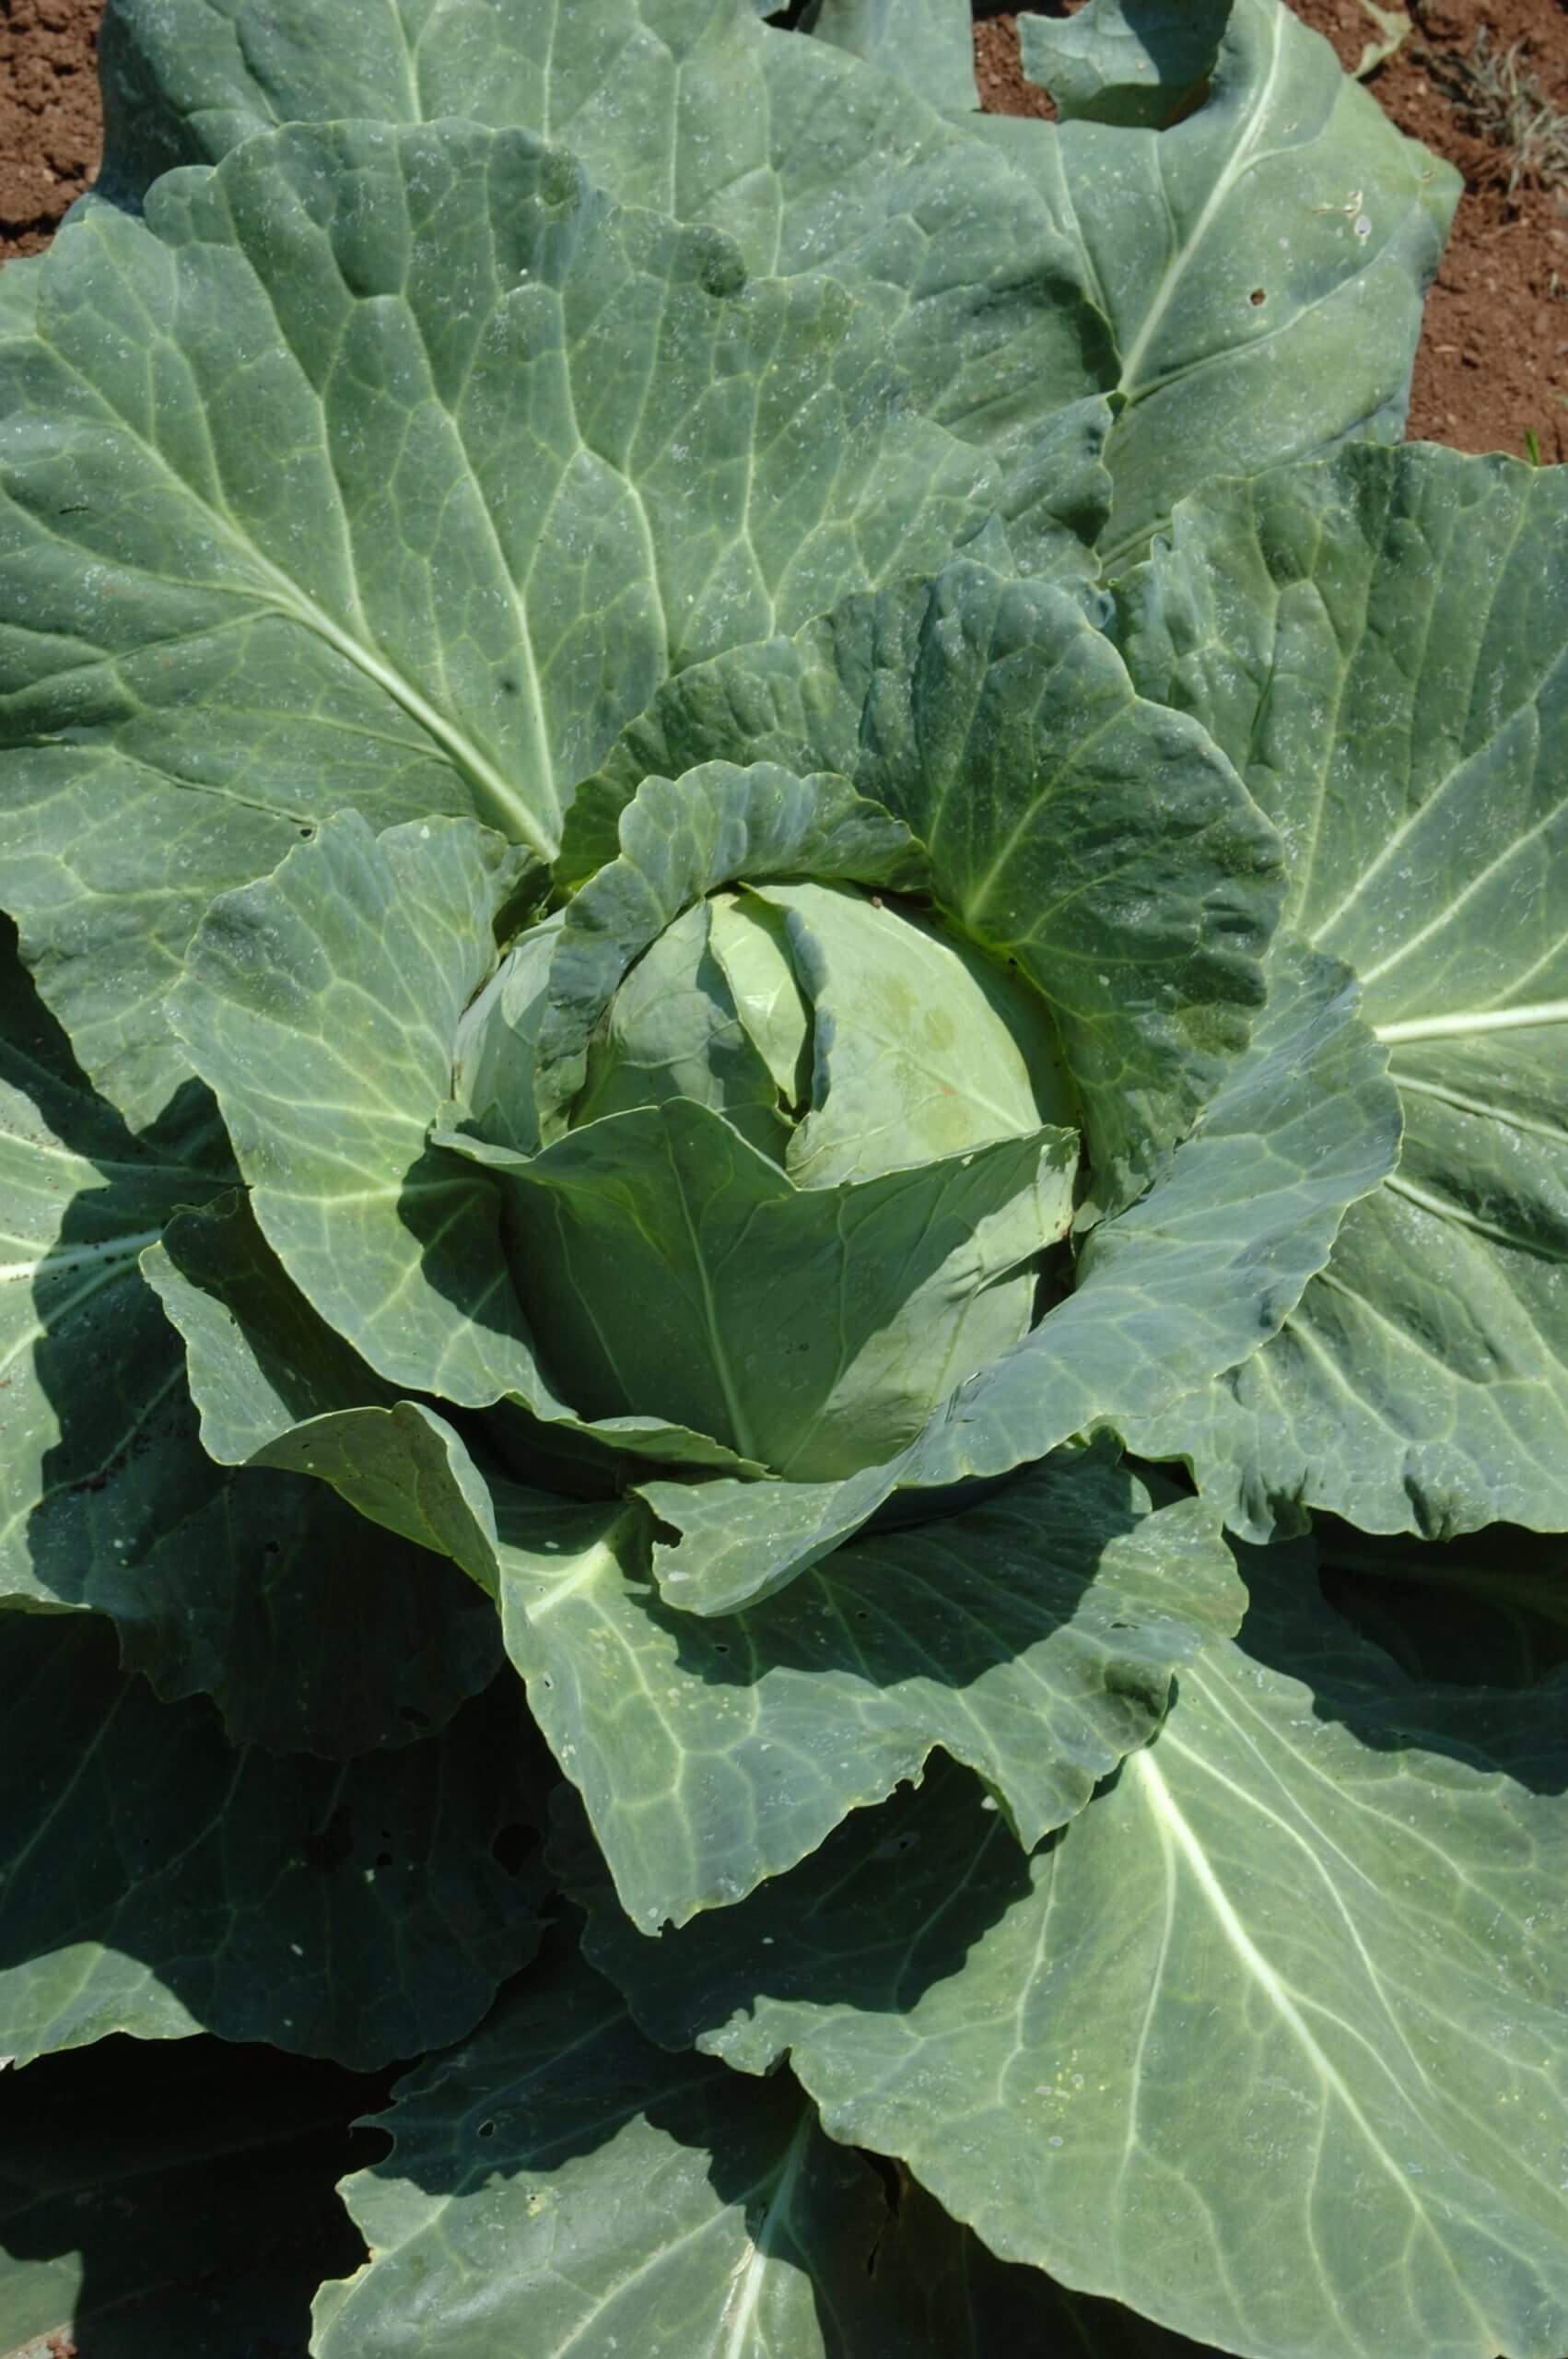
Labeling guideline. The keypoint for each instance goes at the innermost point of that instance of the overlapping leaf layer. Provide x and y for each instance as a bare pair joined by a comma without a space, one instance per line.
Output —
784,1375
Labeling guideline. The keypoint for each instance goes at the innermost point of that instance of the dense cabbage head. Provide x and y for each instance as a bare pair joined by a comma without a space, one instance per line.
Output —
817,1155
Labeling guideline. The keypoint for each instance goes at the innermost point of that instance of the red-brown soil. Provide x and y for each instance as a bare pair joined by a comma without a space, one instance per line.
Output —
48,115
1491,364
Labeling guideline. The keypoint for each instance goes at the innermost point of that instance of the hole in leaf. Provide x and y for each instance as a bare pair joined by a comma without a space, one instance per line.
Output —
486,2130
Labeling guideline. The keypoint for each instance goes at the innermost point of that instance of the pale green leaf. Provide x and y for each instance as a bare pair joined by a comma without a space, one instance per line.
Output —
1132,62
1262,263
101,1453
1379,642
322,1005
807,158
751,946
1033,1639
157,1880
927,43
393,468
922,1045
561,2185
1267,2045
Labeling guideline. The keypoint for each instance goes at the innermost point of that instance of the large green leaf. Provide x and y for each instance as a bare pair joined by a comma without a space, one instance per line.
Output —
1135,62
313,1632
172,2200
311,1629
1091,837
101,1455
927,43
559,2185
157,1880
393,469
1269,2043
1261,260
321,1004
1379,641
1032,1637
809,160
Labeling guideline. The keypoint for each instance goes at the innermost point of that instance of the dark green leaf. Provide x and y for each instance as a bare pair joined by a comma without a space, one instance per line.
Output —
1311,622
157,2200
1268,2044
157,1880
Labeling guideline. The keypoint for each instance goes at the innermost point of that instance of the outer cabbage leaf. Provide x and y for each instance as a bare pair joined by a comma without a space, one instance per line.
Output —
392,469
1268,2044
311,1631
1262,260
1379,642
1491,1606
101,1452
1032,1637
169,2199
1135,62
927,43
1090,837
562,2185
156,1880
809,160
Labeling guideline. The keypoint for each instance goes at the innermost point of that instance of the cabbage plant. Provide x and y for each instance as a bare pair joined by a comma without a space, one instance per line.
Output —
781,1127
